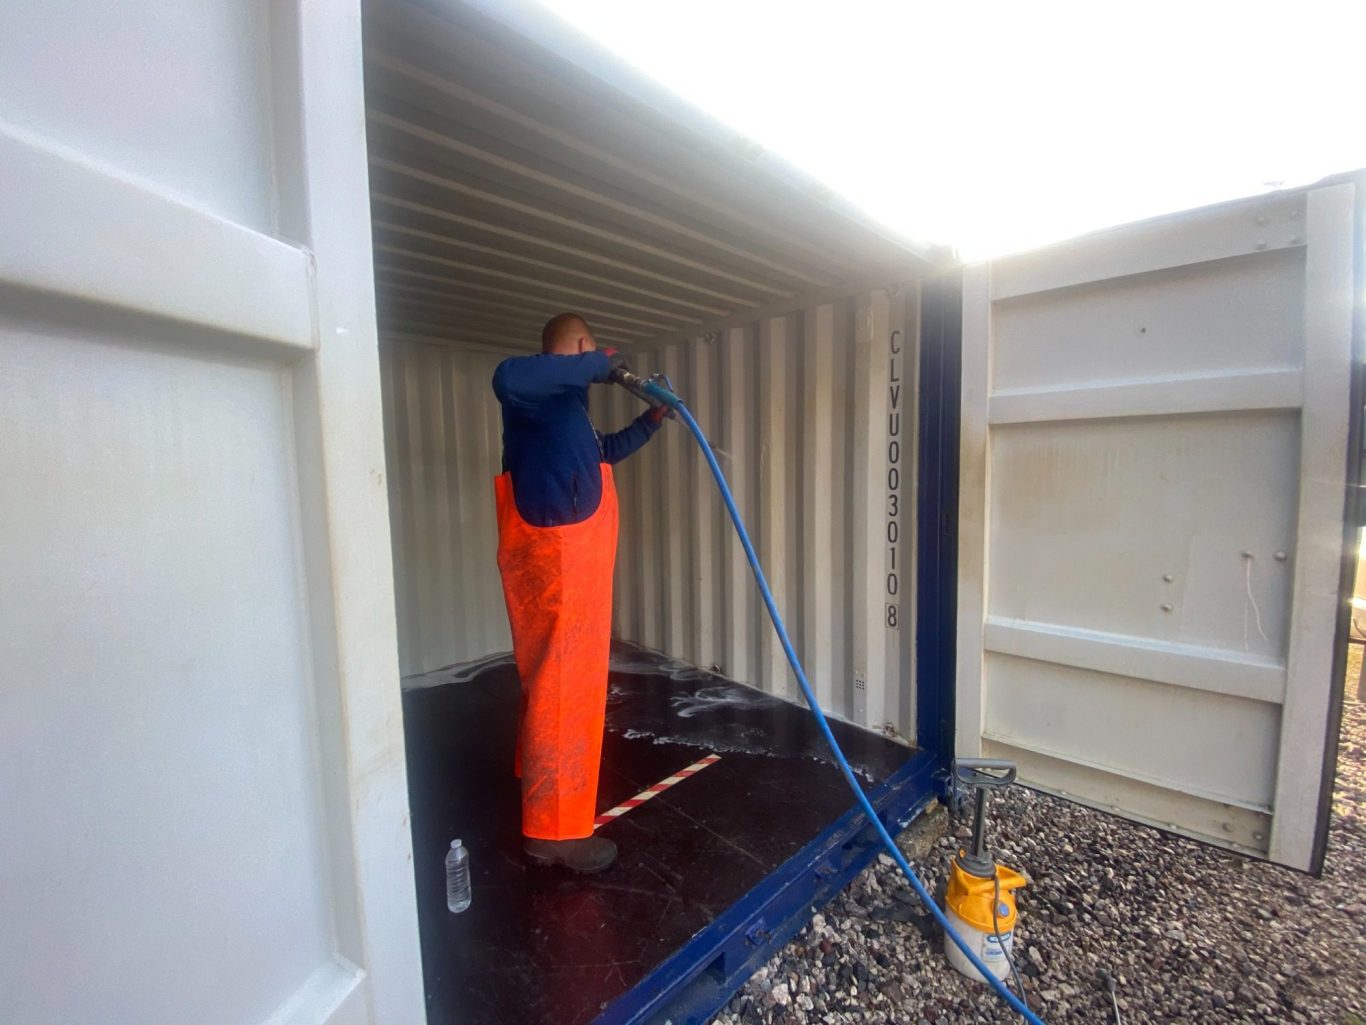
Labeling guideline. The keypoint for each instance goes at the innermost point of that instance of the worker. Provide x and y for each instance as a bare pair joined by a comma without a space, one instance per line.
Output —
557,540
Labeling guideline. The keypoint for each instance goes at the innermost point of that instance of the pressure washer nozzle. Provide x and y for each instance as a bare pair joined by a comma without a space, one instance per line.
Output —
655,390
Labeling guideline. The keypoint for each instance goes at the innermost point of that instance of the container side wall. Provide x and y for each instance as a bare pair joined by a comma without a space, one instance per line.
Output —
443,448
813,417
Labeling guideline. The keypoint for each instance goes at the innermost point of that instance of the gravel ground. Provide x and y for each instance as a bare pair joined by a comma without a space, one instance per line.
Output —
1193,934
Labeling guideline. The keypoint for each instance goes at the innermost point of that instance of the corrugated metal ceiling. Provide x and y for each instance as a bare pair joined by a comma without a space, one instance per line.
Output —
508,184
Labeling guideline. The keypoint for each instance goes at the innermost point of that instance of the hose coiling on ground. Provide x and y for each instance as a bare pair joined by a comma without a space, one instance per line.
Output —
670,399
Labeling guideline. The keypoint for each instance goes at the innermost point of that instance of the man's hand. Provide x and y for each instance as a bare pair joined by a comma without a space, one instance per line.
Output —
657,412
617,360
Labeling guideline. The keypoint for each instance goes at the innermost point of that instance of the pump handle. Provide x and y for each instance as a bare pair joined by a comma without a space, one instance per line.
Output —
994,773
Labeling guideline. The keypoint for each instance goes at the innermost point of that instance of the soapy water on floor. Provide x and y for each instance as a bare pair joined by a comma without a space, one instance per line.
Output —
708,718
722,717
641,662
714,745
712,699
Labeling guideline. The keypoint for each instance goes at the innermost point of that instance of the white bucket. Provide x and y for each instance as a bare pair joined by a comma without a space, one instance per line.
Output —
984,944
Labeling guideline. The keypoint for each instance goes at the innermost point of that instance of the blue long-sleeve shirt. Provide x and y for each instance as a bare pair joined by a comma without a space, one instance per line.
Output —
550,446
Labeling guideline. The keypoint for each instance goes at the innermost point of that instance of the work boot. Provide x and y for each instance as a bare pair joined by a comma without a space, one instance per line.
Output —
589,855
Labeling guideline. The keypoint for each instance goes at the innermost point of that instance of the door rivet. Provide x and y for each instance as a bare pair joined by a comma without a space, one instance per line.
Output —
1166,607
1281,556
1168,577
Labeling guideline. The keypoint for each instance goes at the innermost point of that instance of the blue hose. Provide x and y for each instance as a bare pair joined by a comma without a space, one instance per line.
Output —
672,400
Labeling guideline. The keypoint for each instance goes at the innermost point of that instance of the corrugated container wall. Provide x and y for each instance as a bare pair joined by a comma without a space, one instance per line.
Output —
443,450
510,182
813,417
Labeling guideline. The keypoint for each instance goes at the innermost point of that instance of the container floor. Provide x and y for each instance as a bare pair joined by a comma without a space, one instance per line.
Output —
541,946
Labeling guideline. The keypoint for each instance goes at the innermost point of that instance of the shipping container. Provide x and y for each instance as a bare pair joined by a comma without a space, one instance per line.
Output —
1090,508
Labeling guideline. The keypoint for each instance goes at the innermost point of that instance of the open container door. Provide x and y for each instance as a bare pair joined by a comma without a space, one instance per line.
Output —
1154,436
202,769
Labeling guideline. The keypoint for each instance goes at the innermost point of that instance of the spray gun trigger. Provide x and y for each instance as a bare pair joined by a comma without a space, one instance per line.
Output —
646,389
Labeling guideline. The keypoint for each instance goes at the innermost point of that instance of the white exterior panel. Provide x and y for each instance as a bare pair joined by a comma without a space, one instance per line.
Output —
1154,432
203,756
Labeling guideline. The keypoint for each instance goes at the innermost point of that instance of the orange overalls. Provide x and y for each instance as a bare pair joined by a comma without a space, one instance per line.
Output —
557,582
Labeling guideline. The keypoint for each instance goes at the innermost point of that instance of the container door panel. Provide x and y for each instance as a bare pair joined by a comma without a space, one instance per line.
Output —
1154,457
202,767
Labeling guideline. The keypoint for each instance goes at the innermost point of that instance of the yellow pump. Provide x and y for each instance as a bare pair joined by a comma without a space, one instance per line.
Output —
980,900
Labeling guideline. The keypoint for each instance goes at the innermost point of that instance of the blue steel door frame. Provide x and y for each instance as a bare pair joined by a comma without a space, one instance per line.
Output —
699,978
696,980
1353,517
941,359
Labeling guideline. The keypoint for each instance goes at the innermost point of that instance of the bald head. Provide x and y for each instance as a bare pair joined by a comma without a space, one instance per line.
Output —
567,334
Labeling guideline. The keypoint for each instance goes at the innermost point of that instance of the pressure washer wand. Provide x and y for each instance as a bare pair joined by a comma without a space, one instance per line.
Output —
655,390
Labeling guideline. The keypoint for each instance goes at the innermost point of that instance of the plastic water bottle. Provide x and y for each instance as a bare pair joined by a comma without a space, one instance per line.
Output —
457,877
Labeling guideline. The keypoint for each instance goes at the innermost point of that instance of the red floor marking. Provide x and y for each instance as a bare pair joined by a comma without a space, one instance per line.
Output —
654,791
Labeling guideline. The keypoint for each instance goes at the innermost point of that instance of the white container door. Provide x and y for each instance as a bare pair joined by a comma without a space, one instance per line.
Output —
1154,452
201,752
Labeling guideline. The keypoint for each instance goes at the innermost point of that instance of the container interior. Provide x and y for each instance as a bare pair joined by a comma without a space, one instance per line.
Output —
516,172
513,179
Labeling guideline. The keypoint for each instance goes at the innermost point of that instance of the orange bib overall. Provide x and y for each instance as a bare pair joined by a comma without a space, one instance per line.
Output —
557,582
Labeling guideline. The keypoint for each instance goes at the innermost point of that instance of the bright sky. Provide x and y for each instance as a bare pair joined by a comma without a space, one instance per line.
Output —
1000,126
